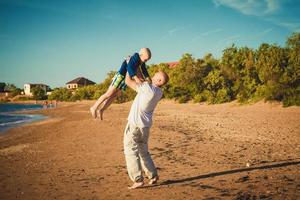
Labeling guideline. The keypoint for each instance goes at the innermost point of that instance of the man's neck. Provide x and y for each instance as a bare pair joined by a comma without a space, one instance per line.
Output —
155,85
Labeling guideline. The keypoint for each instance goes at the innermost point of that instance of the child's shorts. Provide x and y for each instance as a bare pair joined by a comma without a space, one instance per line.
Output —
119,82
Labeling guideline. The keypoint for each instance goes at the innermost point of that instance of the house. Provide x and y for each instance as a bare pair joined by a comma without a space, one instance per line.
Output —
79,82
29,86
172,64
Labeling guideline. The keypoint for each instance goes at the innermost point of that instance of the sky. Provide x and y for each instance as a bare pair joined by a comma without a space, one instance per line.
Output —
53,42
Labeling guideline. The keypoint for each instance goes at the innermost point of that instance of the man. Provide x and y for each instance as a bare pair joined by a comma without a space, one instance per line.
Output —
137,130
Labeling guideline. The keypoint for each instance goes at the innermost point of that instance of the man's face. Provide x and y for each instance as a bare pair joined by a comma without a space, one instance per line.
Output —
158,79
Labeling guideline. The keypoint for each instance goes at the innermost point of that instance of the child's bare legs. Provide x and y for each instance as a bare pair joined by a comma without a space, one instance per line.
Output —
109,93
107,103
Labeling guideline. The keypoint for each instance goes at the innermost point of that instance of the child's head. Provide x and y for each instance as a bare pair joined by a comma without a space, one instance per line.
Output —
145,54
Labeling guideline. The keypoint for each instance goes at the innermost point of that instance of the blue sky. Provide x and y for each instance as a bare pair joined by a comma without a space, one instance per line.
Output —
53,42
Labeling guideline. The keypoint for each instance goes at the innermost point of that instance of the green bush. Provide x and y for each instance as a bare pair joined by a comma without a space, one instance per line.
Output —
14,91
38,93
291,97
85,93
24,98
60,94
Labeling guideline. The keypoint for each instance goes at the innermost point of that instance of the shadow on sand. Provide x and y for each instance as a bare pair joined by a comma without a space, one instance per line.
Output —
215,174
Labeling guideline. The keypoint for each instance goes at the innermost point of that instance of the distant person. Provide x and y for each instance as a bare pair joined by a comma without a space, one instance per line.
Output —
51,104
130,65
45,104
137,129
55,103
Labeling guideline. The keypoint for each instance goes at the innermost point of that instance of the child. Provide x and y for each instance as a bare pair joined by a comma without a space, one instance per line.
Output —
130,65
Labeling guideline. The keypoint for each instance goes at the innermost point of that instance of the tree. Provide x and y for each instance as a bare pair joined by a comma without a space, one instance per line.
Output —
2,87
14,91
238,65
218,90
291,74
60,94
271,63
38,93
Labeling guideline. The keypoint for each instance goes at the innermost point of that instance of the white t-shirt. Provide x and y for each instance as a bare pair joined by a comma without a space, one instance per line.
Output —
144,104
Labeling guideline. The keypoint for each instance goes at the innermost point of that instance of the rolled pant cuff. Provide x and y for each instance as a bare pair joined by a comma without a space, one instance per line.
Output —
139,179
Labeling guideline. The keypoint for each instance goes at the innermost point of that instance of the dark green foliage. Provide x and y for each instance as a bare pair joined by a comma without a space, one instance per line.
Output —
60,94
14,91
38,93
86,92
218,87
2,86
238,66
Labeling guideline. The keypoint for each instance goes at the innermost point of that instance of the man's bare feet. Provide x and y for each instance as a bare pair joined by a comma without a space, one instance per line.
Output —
93,112
136,185
153,180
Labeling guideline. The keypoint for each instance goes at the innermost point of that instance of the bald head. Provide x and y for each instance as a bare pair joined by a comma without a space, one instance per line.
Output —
160,78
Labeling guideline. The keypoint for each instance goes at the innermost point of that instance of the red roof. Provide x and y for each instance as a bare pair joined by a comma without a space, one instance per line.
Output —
172,64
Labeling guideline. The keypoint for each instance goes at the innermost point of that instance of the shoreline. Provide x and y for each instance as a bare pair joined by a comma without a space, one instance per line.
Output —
22,117
20,123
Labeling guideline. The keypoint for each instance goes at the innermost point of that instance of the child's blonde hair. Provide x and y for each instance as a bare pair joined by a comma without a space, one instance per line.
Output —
145,51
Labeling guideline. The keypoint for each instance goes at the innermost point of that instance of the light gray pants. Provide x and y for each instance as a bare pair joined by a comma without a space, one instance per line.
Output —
136,153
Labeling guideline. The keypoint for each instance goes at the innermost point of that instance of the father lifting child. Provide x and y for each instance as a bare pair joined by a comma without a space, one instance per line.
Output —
135,66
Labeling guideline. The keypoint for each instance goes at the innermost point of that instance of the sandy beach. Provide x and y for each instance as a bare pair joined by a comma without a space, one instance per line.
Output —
224,151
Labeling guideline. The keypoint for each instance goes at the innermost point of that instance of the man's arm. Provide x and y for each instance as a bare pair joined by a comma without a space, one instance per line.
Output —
131,83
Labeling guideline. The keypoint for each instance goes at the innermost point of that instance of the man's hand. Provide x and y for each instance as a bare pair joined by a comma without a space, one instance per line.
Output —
148,79
137,80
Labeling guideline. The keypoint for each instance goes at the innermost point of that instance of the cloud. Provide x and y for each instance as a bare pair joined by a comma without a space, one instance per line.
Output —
254,36
292,26
272,5
265,32
231,39
172,32
251,7
276,12
177,29
211,32
221,44
204,34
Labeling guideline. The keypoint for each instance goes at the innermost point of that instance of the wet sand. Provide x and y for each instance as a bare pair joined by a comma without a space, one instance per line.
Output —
221,151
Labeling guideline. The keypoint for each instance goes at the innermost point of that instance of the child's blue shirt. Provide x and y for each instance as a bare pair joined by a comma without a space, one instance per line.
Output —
132,66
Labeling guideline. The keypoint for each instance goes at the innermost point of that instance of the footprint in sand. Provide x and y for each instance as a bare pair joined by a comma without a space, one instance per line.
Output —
243,179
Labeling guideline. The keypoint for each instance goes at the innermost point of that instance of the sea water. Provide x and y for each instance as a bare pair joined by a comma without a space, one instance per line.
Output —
9,119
